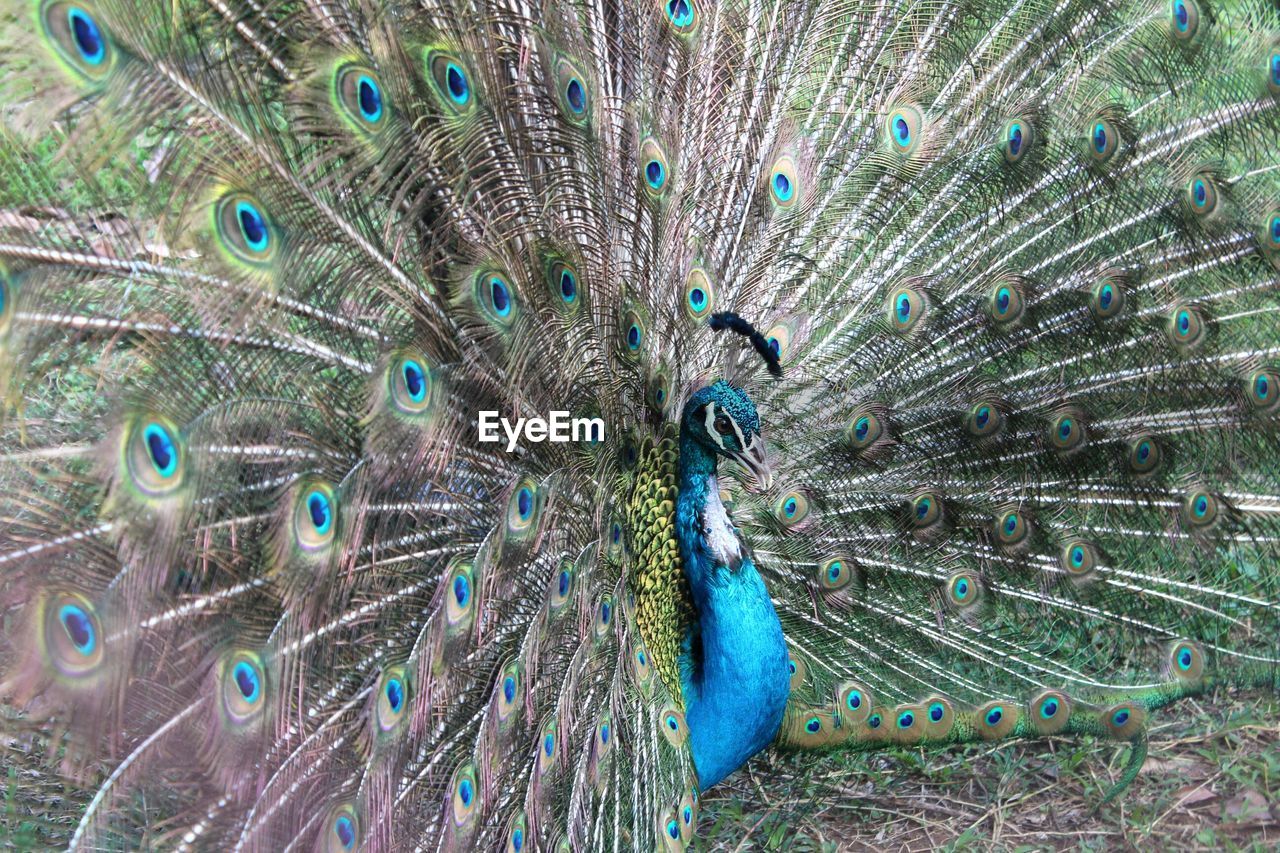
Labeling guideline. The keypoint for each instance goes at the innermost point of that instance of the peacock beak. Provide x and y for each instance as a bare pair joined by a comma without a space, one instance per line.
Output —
755,460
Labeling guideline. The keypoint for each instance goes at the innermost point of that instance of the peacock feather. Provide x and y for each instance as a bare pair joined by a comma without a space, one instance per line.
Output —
922,356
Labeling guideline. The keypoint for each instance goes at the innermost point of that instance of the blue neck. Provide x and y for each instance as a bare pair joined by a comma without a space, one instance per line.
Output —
734,666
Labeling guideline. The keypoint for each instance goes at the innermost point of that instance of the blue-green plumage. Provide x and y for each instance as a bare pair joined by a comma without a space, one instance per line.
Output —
734,671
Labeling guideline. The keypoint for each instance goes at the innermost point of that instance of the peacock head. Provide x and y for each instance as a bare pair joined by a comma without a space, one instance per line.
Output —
723,419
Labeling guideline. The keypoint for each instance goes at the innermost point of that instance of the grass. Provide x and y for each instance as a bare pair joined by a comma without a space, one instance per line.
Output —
1210,782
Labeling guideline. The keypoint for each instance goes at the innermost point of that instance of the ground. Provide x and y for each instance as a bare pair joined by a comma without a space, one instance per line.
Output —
1210,782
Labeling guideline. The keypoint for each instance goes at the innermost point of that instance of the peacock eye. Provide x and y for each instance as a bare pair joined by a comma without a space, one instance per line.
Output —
360,96
723,426
681,14
79,39
654,171
574,96
1202,194
1186,328
1016,139
903,127
73,639
449,76
1185,17
1107,299
1104,139
245,229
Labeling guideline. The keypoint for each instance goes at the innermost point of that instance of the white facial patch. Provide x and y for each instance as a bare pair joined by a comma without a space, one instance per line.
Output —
722,540
709,423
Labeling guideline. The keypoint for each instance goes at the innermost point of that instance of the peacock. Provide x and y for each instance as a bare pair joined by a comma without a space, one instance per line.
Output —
928,353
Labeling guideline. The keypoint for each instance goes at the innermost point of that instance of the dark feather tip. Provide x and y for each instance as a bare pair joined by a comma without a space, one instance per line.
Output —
734,323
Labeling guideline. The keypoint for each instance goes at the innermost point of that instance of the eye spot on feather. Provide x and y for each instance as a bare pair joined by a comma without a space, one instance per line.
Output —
604,616
154,456
604,736
854,702
314,516
72,636
562,280
561,585
1145,456
699,295
1125,720
1200,509
1186,662
244,688
507,696
1107,299
516,833
906,308
7,292
654,171
359,98
1186,328
1066,432
460,595
925,510
687,811
1104,140
660,391
409,383
1005,304
1262,391
465,796
791,509
784,183
633,335
243,229
523,508
450,80
673,726
937,717
798,669
669,828
996,720
642,666
1184,19
1011,527
1273,70
984,420
682,15
572,92
1078,558
548,740
1202,195
615,543
836,573
1049,711
78,39
344,829
963,591
781,336
1016,138
904,128
393,698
